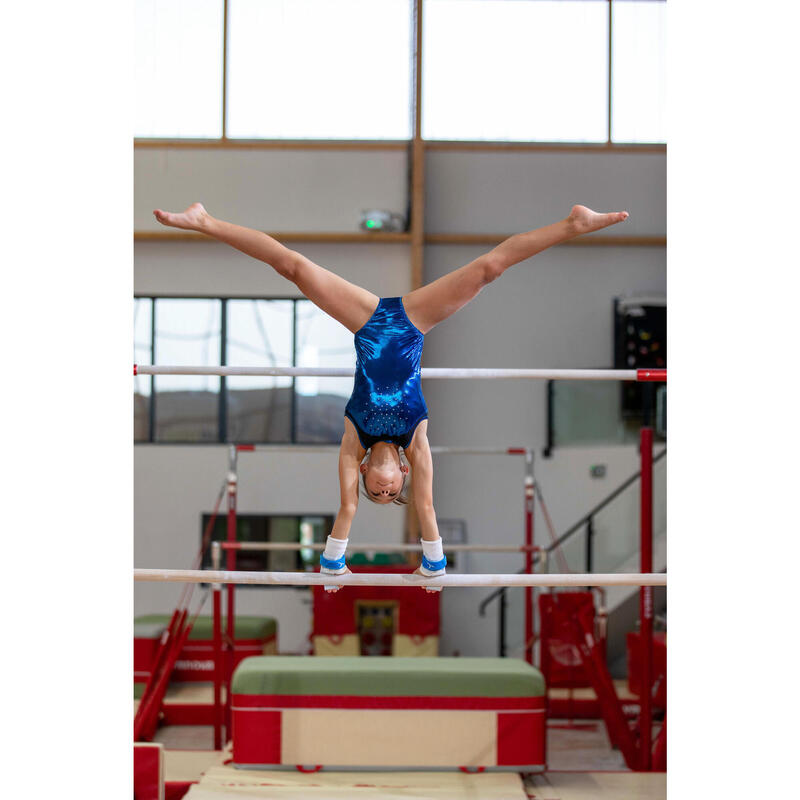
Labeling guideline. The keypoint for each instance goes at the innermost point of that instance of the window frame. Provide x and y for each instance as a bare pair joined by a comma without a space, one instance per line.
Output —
223,141
220,523
222,407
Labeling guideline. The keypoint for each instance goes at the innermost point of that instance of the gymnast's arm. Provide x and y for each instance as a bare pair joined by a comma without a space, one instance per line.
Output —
350,455
419,456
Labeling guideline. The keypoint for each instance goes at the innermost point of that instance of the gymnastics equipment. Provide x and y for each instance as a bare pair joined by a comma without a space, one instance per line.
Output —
531,491
148,770
388,713
405,579
255,636
645,579
479,373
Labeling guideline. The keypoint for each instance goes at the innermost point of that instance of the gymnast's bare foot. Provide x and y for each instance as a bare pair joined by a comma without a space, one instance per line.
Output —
336,588
193,219
433,590
584,220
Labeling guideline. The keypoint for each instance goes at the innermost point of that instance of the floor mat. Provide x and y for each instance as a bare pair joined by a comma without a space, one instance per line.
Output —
226,782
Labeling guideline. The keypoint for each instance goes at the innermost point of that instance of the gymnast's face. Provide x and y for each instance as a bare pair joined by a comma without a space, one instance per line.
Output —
383,483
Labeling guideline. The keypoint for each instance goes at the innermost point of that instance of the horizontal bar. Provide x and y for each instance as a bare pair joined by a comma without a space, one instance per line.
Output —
306,237
397,237
427,372
410,579
334,449
482,145
383,548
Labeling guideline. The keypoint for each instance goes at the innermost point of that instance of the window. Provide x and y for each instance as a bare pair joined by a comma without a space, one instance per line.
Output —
321,342
639,71
142,354
307,529
493,70
241,332
259,334
510,70
178,68
187,333
316,69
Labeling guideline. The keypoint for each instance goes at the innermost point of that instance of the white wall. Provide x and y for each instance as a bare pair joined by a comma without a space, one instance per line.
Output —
553,311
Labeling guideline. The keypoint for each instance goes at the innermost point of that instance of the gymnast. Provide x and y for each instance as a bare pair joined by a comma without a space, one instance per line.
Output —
386,419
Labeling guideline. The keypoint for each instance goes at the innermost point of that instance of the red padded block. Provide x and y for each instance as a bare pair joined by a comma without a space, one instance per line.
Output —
520,739
257,737
175,790
417,610
147,777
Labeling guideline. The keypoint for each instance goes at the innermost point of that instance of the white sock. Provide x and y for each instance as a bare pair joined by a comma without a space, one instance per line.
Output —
433,553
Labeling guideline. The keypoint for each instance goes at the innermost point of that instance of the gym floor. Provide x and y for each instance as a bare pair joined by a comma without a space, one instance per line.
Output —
581,764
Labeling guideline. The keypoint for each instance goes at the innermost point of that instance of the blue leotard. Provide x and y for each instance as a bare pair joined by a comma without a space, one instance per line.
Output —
387,402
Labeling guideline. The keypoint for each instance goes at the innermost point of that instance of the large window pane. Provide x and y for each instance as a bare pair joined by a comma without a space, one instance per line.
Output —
187,406
639,71
142,354
515,70
322,342
259,334
178,68
317,69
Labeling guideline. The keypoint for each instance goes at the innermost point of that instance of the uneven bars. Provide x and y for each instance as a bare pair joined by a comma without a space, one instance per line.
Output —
385,548
334,449
410,579
427,372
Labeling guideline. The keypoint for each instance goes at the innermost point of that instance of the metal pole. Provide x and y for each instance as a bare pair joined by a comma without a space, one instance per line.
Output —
646,598
216,562
230,563
473,373
529,494
503,624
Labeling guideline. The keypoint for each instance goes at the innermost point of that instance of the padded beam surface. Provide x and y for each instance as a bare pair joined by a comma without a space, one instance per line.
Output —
387,677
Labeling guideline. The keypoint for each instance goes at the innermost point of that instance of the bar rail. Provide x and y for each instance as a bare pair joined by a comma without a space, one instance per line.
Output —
412,579
427,372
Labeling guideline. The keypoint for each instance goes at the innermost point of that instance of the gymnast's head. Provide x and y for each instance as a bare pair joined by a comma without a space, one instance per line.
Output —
384,474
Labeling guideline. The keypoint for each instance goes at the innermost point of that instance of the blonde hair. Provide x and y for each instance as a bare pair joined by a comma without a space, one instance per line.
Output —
401,498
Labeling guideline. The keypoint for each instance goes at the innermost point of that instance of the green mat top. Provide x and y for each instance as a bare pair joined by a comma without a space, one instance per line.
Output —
387,676
151,626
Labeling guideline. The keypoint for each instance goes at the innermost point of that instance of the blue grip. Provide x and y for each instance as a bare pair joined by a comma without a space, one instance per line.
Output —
331,563
434,566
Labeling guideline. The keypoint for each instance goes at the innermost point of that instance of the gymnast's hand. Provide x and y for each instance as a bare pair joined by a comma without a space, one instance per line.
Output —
336,588
433,589
193,219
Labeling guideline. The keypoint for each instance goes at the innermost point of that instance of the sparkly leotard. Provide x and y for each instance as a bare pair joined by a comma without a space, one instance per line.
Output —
387,402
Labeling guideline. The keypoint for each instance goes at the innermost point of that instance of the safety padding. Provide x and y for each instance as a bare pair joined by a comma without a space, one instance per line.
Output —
388,713
254,636
340,621
148,771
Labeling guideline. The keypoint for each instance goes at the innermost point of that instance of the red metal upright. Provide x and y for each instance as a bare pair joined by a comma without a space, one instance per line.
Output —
529,495
230,564
646,598
216,557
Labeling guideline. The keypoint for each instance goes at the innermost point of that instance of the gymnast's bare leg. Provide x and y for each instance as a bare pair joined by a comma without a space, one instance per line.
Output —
347,303
435,302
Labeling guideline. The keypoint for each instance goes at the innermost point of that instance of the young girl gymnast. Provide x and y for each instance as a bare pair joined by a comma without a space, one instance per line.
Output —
386,413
